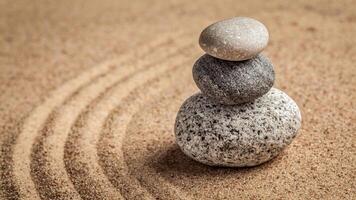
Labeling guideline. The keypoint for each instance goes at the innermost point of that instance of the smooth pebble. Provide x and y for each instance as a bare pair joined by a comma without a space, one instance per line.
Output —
233,82
239,135
234,39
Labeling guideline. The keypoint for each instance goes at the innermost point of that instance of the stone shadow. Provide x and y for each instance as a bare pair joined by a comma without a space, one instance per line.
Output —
170,161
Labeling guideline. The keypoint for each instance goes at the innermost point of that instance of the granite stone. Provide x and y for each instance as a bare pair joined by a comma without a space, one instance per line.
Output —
233,82
240,135
234,39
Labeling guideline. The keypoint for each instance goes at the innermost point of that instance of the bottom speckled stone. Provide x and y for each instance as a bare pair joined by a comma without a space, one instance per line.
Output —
237,135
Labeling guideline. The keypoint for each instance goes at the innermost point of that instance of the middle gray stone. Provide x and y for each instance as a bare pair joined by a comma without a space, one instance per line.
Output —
233,82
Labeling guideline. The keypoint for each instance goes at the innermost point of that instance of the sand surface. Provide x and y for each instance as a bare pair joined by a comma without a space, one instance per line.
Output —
89,91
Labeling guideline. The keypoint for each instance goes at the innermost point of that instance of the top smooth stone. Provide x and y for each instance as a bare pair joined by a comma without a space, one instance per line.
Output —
234,39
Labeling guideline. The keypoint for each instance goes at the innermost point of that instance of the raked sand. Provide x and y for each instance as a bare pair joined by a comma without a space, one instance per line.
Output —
89,91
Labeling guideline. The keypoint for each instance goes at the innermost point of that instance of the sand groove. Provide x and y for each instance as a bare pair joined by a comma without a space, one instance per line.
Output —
45,43
49,147
110,152
23,146
80,152
33,124
138,128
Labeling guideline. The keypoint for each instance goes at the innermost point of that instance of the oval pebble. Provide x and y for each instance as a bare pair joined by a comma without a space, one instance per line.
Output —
234,39
233,82
239,135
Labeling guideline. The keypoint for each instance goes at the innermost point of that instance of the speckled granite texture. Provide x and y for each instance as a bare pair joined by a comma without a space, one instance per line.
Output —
233,82
240,135
44,45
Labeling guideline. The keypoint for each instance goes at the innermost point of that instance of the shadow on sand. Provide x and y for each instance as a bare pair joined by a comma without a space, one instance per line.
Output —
171,161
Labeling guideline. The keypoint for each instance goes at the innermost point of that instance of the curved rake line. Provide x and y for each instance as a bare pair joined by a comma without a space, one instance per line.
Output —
66,118
85,135
11,178
111,141
146,174
34,122
57,128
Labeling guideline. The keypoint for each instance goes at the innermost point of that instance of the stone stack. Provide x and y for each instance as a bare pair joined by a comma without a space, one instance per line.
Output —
238,119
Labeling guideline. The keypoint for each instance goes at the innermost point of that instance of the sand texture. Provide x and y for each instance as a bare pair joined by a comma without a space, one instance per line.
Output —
89,92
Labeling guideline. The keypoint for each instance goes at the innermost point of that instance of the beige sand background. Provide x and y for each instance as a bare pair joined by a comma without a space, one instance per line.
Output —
89,91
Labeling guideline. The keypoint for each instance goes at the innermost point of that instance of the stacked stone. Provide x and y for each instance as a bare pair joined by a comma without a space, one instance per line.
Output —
238,119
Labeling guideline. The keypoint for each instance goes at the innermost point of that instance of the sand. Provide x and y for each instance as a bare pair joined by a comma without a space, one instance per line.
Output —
89,92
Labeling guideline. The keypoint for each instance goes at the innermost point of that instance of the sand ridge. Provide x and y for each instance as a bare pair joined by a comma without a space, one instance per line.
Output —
34,123
70,114
84,140
72,128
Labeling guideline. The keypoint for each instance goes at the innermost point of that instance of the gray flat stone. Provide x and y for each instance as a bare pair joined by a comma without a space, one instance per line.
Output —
239,135
234,39
233,82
